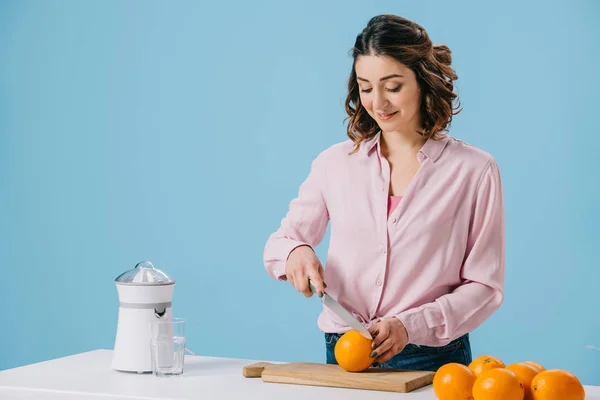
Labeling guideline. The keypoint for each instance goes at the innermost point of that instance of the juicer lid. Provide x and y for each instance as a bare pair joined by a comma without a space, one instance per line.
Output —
144,274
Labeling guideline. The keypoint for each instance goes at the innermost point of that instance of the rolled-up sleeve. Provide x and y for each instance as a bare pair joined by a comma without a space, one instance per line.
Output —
305,222
482,289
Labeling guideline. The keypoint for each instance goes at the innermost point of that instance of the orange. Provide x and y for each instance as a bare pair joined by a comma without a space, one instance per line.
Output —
557,384
454,381
498,384
525,373
353,351
485,363
539,366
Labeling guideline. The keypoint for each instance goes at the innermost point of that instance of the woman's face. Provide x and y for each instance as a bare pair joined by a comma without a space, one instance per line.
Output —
389,92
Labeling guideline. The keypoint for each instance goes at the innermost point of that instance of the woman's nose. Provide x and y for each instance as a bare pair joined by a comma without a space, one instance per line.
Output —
380,102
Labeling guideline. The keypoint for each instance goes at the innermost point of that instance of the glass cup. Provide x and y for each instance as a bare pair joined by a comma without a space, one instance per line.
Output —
167,346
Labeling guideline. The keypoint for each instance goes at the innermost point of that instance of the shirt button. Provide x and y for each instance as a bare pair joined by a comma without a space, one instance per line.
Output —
394,219
378,282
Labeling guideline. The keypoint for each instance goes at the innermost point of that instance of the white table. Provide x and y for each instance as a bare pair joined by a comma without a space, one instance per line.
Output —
88,376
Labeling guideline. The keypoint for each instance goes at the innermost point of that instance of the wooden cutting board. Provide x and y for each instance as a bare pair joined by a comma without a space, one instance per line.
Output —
311,374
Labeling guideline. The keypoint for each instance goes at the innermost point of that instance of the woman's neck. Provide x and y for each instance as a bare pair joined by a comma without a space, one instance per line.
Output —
394,143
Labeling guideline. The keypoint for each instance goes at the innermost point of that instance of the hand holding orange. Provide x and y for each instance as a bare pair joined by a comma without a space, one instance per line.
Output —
485,378
353,352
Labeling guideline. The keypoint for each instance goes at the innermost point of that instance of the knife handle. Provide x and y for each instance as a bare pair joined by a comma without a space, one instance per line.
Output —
312,286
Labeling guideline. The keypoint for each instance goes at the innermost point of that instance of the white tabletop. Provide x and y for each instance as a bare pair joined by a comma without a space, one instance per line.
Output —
88,376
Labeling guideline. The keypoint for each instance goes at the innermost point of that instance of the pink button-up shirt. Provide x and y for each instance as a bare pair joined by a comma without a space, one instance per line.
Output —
436,262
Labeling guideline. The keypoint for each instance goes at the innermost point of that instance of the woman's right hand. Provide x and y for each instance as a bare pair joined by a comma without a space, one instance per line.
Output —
302,265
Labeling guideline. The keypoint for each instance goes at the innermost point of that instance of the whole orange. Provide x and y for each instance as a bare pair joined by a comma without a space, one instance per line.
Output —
498,384
485,363
525,373
454,381
557,384
353,351
539,366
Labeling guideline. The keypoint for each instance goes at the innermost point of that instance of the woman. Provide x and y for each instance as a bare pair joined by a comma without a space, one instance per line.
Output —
417,241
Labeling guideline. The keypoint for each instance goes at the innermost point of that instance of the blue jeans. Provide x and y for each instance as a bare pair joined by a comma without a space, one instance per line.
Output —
423,358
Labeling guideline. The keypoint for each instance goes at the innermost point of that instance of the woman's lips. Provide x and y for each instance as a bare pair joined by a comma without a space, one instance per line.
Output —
385,117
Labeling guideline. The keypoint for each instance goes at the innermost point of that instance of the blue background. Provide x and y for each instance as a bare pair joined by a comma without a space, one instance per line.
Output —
178,132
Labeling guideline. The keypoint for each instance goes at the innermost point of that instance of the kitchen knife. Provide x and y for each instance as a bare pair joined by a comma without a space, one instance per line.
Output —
341,312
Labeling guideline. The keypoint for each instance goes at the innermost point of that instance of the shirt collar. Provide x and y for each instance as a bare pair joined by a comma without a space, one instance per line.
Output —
367,146
432,149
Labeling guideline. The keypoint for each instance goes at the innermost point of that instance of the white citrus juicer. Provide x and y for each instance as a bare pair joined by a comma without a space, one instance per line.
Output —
145,294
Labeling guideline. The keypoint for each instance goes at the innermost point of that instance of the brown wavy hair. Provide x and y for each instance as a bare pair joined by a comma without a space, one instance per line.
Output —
408,43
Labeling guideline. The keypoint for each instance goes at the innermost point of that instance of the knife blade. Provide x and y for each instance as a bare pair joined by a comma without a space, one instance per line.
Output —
341,312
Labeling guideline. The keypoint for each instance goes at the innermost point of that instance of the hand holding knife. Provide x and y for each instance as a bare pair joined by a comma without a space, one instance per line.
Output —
341,312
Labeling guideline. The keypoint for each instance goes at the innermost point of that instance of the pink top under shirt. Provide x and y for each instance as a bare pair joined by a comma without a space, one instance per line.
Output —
436,262
393,202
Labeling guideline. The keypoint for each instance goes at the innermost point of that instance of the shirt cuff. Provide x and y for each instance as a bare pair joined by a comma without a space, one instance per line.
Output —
285,251
415,324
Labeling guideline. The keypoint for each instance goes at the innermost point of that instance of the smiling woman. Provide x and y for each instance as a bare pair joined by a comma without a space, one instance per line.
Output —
417,245
397,70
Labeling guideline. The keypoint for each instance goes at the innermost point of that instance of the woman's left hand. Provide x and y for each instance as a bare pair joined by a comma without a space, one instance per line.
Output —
389,338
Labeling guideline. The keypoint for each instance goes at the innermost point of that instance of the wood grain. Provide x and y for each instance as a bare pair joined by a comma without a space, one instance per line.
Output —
331,375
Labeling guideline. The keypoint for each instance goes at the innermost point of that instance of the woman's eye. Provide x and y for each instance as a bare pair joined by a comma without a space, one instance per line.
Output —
395,89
